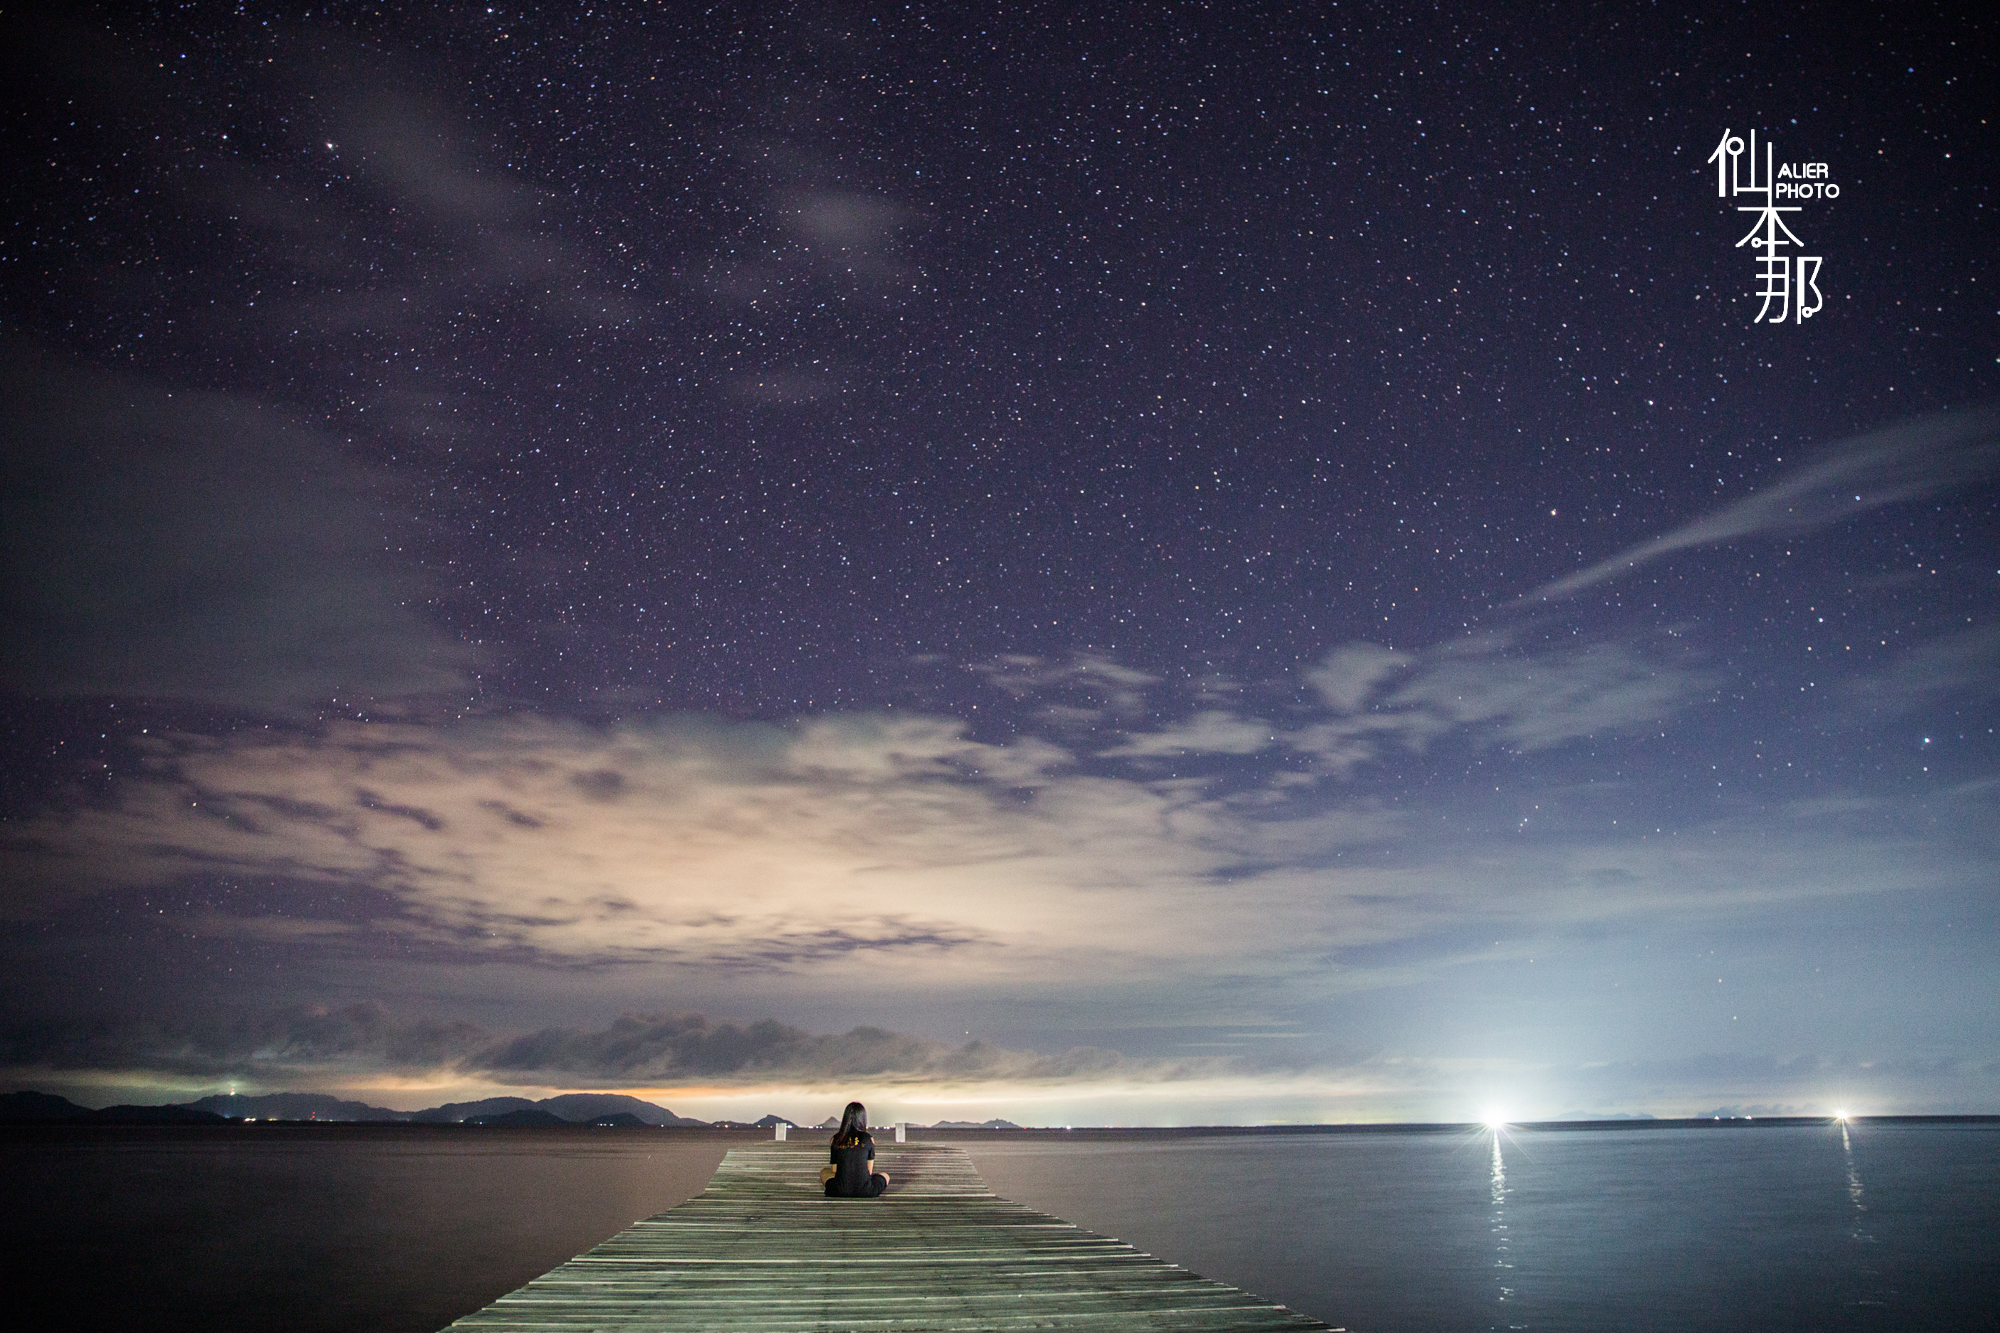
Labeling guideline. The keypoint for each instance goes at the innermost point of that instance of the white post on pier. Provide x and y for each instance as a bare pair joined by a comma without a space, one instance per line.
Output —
901,1125
781,1131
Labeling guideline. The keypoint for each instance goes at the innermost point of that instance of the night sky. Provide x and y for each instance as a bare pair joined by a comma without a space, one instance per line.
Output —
1180,564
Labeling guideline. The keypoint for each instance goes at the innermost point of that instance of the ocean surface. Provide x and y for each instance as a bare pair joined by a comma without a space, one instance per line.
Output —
386,1228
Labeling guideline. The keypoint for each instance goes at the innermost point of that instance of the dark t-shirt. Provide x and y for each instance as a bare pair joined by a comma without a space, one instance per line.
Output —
852,1178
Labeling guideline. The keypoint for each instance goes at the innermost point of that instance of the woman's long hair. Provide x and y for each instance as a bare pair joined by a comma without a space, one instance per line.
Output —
853,1126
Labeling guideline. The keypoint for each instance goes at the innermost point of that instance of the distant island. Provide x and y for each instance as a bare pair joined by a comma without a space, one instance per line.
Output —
967,1124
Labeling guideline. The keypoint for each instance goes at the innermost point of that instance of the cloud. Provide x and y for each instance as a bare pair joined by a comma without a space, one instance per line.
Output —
1537,702
316,1039
1906,461
1094,679
492,222
846,222
1487,692
474,237
868,846
1349,674
899,854
353,143
1211,731
690,1048
321,1044
826,240
199,547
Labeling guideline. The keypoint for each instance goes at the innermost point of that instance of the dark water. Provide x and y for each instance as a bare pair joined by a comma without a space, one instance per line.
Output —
357,1229
1779,1230
405,1228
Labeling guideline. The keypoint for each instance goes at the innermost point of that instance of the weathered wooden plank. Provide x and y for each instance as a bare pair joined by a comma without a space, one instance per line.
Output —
762,1250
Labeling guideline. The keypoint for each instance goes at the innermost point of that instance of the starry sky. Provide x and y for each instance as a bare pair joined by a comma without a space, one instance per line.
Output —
1179,564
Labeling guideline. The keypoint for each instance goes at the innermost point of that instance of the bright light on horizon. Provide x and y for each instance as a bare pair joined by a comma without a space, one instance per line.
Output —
1495,1119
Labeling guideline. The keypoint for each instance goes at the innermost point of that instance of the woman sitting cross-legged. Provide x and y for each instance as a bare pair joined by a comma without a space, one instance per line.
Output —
850,1176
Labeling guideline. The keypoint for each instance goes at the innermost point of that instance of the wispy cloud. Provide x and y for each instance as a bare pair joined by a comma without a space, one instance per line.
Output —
490,225
1211,731
1907,461
1539,701
1089,685
831,257
472,236
1489,692
850,232
1350,673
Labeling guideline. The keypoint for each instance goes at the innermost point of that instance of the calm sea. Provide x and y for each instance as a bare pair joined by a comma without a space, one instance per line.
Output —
1778,1230
1880,1226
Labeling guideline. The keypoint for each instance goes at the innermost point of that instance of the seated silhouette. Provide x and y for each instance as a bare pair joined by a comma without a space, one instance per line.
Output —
850,1174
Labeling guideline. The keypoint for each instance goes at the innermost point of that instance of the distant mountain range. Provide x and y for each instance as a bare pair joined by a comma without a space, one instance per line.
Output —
24,1106
572,1108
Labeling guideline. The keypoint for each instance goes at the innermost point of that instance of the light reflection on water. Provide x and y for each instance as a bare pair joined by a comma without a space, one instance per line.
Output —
1855,1195
1503,1261
1868,1295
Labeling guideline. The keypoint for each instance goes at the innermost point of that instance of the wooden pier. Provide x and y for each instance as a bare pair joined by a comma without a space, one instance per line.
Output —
762,1248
